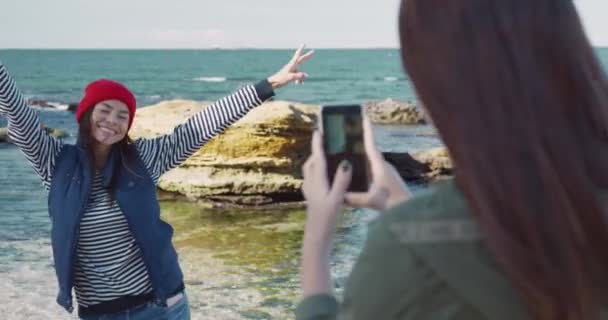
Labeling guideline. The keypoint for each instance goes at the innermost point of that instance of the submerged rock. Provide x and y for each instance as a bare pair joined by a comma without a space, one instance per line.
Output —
438,161
408,168
391,111
54,132
4,135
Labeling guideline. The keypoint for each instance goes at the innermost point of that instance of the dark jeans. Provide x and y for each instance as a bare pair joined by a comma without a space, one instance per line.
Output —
151,311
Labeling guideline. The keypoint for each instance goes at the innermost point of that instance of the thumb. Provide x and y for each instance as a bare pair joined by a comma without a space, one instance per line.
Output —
341,179
375,198
357,199
298,76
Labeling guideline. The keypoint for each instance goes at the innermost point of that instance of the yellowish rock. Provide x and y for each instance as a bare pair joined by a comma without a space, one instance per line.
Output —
257,160
3,134
438,161
391,111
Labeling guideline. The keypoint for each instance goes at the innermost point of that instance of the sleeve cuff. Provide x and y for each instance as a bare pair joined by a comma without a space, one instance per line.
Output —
320,306
264,90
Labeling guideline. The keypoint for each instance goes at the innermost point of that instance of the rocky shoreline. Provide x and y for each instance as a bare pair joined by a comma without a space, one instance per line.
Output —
391,111
4,137
257,161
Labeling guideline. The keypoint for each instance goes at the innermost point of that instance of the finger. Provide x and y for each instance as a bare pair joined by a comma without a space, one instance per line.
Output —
368,136
298,53
341,180
306,189
376,198
319,166
308,176
375,156
317,144
357,199
306,167
305,57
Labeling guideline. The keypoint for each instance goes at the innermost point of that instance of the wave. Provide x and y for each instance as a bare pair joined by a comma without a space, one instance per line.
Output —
312,79
28,280
355,79
59,106
210,79
48,105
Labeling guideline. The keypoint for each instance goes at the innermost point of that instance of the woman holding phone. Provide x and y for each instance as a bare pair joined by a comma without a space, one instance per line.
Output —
520,100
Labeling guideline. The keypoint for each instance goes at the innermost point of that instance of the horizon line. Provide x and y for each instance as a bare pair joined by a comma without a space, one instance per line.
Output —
227,48
210,48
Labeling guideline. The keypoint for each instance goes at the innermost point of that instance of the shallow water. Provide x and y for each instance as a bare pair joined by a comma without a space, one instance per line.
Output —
238,264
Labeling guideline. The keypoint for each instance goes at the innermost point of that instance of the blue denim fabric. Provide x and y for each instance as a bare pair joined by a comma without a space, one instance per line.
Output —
151,311
136,194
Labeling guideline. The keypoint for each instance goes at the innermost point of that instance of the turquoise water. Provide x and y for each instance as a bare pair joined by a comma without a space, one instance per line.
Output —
335,75
156,75
27,289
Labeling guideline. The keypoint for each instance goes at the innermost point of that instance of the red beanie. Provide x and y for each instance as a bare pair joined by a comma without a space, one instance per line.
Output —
104,89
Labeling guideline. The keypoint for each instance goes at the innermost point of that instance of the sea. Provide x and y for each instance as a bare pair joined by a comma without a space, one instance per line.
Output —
238,264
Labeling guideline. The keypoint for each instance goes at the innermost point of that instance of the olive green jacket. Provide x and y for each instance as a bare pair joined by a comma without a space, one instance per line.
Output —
423,259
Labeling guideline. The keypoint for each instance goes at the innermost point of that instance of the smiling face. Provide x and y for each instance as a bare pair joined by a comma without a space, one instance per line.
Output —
109,122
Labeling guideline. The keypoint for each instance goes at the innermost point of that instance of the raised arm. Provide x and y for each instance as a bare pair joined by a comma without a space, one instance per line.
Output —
169,151
25,130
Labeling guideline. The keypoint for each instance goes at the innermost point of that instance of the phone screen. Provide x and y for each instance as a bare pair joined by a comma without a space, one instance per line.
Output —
343,140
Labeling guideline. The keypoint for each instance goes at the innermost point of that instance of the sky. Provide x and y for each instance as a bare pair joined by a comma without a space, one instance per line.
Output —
220,23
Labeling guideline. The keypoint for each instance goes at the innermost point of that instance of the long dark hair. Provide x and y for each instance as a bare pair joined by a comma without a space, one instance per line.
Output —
127,154
520,100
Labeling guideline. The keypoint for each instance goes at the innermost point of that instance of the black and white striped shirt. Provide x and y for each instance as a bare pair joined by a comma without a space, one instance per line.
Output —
109,263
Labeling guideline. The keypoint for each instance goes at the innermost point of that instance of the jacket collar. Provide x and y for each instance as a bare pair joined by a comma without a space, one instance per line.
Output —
112,163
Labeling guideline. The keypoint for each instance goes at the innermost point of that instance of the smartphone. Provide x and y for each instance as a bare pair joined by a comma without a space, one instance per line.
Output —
343,140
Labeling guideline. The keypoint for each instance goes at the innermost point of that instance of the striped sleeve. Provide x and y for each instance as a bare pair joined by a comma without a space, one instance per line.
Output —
25,130
168,151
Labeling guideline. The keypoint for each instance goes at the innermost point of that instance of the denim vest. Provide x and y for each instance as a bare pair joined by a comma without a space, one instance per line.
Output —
135,193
